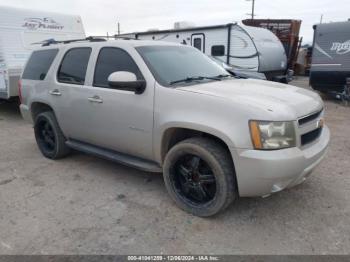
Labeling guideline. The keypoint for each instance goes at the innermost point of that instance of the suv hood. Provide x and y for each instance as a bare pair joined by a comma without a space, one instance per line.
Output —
266,95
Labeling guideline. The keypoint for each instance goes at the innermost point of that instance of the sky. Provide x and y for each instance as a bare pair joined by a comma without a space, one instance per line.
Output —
101,16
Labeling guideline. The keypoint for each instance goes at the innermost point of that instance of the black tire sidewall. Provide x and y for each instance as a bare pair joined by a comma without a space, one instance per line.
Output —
219,201
49,117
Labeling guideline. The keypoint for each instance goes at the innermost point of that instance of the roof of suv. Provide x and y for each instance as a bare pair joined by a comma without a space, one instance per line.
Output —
117,43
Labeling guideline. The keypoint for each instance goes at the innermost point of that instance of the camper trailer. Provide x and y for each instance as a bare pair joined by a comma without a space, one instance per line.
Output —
242,47
20,31
330,57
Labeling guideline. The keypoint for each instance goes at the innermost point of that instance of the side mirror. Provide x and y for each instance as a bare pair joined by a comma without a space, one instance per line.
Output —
126,81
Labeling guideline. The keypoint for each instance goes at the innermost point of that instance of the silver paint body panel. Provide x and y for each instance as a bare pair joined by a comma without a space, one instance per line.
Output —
135,124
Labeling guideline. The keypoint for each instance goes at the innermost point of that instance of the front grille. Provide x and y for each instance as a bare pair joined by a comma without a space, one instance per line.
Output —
309,118
310,136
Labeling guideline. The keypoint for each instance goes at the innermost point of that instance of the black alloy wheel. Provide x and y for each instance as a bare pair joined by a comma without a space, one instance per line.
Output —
194,180
200,177
46,135
49,136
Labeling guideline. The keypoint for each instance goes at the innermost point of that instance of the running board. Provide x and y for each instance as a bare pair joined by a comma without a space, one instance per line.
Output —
135,162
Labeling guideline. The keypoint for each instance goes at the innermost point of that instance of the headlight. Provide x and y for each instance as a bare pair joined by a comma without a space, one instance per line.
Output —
272,135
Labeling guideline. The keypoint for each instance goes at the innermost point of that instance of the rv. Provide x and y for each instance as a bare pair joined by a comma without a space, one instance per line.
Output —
242,47
330,64
20,32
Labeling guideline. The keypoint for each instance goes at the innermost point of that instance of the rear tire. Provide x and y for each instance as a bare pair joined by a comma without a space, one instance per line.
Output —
49,136
200,177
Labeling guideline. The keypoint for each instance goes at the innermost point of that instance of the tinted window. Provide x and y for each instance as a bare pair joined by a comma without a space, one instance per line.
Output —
218,50
172,63
197,43
74,65
111,60
39,64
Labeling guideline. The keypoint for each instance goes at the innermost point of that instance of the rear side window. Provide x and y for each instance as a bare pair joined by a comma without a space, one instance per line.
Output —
218,50
110,60
73,66
39,64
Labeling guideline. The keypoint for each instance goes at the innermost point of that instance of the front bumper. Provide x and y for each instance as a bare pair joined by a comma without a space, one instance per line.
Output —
260,173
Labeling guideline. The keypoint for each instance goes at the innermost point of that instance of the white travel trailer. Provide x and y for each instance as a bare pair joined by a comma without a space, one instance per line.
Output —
243,47
19,29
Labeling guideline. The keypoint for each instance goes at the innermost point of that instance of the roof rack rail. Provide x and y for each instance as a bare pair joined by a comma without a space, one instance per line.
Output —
52,41
124,37
115,37
49,42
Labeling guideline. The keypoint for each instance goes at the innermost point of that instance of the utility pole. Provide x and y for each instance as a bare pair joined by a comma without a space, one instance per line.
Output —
253,9
118,28
321,20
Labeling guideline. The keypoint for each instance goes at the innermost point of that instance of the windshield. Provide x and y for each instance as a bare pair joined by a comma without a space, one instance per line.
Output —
172,65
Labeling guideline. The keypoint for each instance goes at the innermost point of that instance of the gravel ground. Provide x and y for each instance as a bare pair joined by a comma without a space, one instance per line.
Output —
85,205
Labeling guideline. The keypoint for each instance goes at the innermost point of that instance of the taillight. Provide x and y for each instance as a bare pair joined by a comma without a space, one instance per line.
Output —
20,91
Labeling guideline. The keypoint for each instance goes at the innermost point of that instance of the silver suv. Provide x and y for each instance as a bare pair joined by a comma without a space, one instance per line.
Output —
164,107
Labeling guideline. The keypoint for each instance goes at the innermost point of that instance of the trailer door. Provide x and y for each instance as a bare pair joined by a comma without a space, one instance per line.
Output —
198,41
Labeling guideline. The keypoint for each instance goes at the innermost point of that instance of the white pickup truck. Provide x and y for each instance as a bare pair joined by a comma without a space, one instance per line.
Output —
164,107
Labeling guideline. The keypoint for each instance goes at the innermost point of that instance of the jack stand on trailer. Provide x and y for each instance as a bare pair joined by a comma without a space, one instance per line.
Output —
343,96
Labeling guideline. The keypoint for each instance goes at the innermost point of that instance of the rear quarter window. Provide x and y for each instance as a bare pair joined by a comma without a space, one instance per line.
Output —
39,64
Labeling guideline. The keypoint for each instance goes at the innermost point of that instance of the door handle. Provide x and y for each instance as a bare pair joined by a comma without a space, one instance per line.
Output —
55,92
95,99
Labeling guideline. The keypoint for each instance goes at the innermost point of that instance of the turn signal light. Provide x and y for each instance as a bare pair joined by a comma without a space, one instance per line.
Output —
255,134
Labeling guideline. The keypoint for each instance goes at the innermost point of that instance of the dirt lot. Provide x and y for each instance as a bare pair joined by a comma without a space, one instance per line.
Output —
86,205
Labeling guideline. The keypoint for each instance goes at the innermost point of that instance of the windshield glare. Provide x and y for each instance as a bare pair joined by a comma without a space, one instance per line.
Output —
172,63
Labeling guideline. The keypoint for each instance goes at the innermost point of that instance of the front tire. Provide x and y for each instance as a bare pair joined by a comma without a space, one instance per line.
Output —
199,176
49,136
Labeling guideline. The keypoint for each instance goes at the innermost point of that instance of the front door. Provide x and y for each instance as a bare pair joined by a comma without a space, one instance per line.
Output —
198,41
118,119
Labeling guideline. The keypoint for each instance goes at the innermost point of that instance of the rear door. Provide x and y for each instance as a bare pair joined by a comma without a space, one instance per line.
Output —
67,93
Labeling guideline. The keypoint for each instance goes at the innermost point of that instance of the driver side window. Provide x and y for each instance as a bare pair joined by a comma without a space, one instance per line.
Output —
110,60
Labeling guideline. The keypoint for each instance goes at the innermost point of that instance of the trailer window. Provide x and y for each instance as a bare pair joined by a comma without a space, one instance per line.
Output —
39,64
73,67
218,50
197,43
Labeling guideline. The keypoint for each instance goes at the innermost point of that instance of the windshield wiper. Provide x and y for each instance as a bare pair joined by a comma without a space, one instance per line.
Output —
222,76
195,78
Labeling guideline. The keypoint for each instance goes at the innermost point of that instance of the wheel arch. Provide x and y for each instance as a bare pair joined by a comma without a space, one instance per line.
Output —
175,134
38,107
